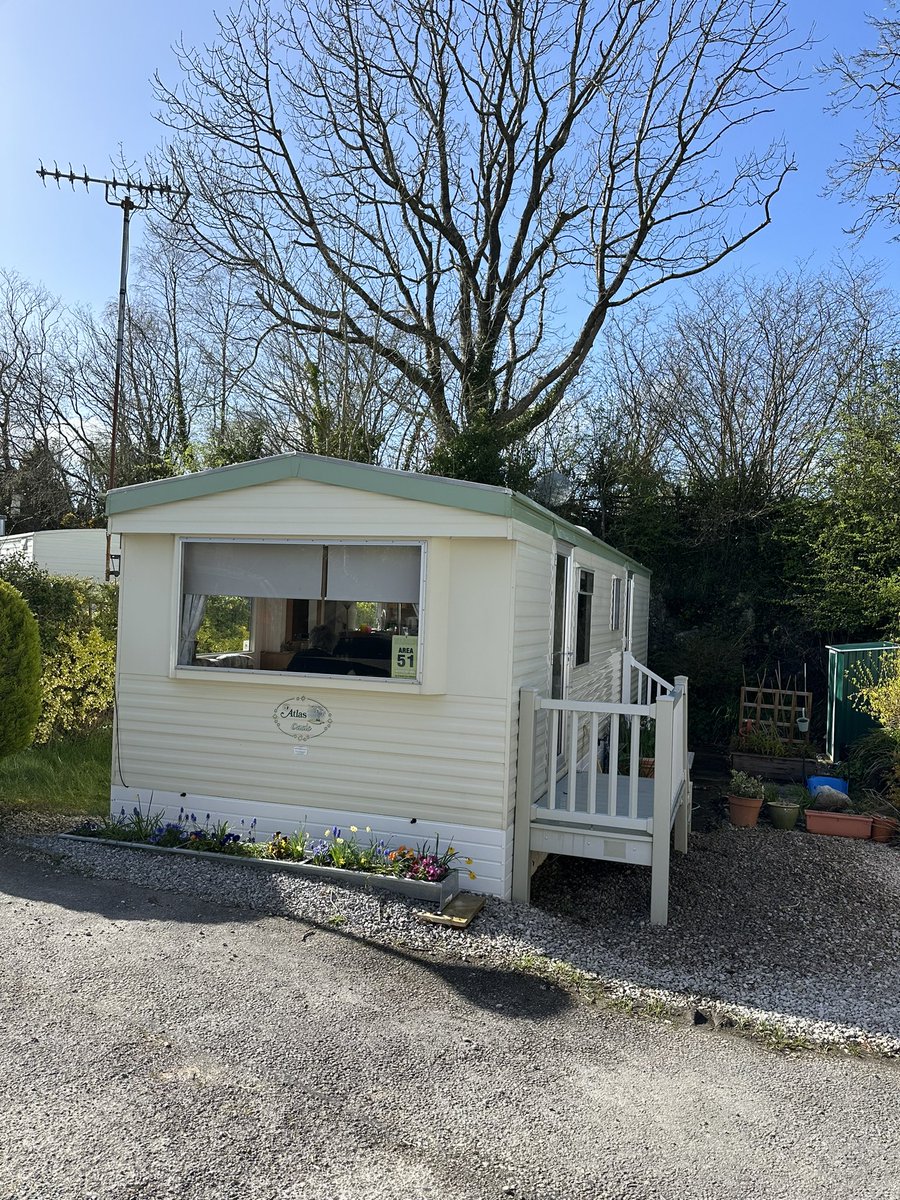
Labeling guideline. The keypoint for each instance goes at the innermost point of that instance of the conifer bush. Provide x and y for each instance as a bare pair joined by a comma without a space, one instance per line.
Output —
20,672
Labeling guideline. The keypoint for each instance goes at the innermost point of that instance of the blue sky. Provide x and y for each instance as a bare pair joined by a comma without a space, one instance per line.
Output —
78,84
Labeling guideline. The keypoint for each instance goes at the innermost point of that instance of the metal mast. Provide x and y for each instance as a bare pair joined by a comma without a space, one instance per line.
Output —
145,192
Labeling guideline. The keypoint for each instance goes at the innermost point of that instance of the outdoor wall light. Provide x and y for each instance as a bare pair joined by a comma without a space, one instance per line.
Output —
115,566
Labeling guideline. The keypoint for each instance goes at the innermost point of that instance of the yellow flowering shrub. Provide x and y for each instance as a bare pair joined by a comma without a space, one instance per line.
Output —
77,685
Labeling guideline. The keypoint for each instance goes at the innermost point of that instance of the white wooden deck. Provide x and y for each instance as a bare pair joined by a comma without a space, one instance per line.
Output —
621,816
587,831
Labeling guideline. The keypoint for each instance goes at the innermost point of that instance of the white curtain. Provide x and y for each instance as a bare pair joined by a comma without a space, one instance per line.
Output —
192,609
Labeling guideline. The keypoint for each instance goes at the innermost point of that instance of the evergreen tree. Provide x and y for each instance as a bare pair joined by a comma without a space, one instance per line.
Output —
20,672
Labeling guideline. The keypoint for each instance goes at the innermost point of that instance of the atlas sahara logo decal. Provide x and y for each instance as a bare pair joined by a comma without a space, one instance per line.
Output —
302,718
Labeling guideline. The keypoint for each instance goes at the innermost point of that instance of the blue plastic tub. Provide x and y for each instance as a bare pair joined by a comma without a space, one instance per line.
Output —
814,782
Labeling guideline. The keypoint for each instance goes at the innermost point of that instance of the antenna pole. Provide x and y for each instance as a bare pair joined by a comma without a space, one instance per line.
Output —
127,209
145,193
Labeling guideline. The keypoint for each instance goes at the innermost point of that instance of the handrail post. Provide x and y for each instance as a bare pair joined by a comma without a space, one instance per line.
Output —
662,810
685,812
521,873
627,660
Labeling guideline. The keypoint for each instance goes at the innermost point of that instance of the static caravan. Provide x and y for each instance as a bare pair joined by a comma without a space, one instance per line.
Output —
307,640
79,552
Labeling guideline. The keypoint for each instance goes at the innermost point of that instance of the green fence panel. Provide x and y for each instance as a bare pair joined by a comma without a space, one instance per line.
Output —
846,724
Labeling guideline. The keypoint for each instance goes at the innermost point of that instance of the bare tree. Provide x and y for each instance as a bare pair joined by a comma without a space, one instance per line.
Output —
466,188
324,397
33,485
740,384
29,383
869,83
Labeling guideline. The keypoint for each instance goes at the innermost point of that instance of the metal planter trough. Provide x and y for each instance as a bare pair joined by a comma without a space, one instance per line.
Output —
438,894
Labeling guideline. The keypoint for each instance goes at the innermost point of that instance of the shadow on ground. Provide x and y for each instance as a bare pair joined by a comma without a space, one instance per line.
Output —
39,878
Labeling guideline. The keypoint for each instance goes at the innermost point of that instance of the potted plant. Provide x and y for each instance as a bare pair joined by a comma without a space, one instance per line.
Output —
784,806
646,751
745,799
884,814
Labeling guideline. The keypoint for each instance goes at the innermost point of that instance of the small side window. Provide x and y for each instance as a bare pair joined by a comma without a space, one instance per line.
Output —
615,607
583,617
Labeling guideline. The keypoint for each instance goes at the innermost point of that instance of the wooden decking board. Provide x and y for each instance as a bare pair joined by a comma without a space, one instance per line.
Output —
644,797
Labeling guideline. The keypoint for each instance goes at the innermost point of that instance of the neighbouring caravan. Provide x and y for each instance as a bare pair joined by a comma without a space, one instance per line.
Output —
78,552
307,640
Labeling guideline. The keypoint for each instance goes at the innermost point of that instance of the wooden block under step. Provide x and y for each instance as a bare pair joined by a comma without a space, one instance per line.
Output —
457,913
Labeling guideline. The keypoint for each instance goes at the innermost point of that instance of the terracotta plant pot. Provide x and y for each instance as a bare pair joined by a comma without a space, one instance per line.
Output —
850,825
884,828
784,814
744,811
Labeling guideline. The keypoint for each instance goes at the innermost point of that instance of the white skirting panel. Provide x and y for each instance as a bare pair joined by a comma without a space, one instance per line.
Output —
583,844
489,849
508,863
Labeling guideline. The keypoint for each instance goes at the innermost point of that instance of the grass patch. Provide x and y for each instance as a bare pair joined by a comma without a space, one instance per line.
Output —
61,777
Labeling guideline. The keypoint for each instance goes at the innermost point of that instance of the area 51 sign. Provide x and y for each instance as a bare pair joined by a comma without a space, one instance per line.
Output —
404,657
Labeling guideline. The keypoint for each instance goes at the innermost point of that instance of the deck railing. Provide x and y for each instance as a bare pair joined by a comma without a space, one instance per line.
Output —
577,734
641,684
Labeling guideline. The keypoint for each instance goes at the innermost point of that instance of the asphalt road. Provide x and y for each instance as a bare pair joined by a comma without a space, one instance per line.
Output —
154,1046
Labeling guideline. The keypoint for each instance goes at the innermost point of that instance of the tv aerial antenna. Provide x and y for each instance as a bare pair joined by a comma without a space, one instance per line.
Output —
131,195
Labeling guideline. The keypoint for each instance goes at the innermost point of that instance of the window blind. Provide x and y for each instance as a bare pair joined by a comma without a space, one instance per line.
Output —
275,571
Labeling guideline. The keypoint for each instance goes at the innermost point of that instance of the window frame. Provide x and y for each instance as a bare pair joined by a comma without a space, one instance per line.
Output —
584,616
615,604
257,675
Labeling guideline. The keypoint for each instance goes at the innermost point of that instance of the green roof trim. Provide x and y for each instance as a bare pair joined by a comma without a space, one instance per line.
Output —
403,485
848,647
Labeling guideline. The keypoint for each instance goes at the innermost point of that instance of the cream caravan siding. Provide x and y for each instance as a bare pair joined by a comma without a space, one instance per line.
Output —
640,636
80,552
600,678
293,508
17,545
392,751
533,607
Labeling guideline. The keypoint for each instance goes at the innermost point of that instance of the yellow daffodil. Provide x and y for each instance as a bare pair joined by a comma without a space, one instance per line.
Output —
472,875
353,829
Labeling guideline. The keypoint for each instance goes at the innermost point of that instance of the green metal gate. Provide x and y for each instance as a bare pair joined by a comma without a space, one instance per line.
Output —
847,724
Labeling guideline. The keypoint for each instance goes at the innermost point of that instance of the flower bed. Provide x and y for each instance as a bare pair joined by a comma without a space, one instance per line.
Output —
420,871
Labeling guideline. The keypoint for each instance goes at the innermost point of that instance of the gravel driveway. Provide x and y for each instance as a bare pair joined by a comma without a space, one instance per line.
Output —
157,1046
794,932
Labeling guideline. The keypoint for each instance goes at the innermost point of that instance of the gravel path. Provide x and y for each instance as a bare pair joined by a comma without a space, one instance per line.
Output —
797,933
158,1047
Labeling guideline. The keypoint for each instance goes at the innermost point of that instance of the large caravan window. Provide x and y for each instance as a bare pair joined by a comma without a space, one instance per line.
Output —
312,608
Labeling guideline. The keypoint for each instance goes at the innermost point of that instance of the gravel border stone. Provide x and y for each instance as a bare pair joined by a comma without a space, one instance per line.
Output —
796,934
